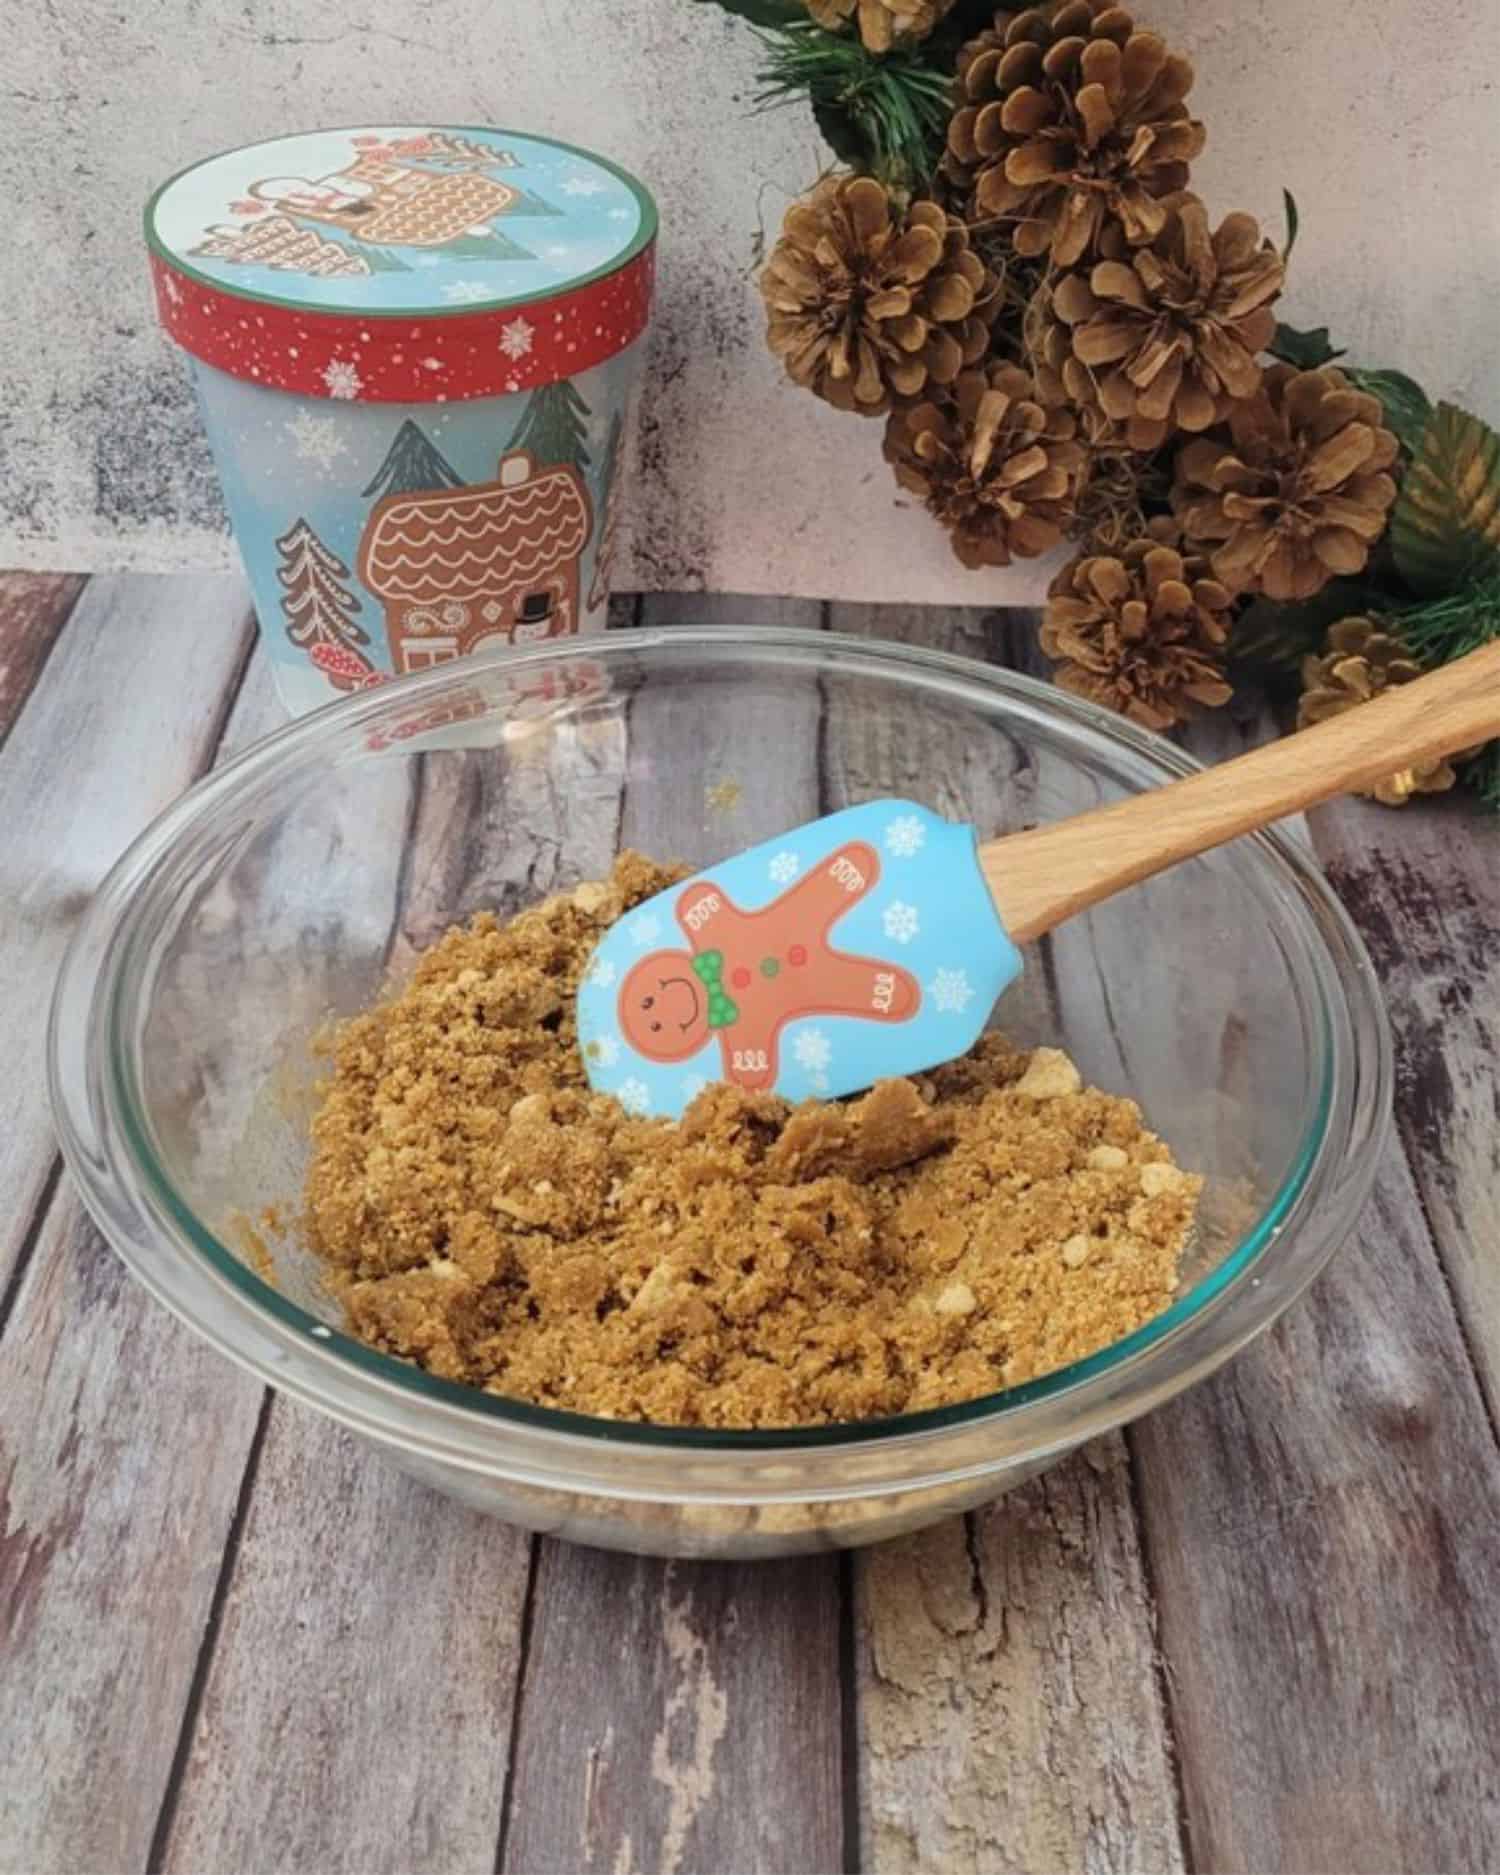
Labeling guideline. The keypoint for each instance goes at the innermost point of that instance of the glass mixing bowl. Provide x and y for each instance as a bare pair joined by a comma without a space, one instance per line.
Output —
1230,997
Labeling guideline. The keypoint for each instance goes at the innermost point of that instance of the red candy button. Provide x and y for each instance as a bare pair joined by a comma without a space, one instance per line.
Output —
740,978
797,954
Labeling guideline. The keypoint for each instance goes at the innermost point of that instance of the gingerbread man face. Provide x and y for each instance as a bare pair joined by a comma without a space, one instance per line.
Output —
664,1007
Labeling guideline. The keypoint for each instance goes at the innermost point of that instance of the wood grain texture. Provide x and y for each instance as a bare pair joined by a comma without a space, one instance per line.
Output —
33,609
1324,1528
123,1439
123,717
1424,887
678,1717
1010,1718
357,1712
1009,1713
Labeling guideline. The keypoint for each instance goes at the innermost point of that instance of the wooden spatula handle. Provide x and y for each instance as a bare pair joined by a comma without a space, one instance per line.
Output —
1043,876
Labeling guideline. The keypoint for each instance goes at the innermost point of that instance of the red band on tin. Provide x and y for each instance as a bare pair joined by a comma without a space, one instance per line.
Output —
407,358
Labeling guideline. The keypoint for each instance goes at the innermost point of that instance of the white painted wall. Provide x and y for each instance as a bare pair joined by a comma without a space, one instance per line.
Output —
1382,117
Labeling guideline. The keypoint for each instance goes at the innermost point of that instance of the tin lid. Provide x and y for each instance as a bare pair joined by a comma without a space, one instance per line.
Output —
403,264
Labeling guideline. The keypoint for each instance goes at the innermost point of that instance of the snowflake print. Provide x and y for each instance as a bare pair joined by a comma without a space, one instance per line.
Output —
645,931
172,290
905,837
603,1051
633,1095
784,868
952,992
342,379
619,214
582,185
465,292
901,922
316,439
559,250
516,338
812,1051
601,974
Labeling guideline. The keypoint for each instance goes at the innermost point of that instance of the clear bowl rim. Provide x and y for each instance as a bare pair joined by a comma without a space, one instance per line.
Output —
127,1190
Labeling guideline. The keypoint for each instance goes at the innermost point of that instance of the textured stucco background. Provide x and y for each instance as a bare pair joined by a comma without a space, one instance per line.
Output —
1381,117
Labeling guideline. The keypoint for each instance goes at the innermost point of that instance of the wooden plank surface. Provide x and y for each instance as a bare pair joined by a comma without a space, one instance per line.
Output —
686,1717
33,610
122,1438
124,715
1323,1523
1423,884
1022,1636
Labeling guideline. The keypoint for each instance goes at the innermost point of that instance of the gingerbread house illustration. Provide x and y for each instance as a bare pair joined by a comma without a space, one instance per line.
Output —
494,563
390,203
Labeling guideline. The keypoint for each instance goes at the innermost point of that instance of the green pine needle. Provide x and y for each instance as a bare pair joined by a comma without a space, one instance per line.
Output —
887,116
1441,630
1482,776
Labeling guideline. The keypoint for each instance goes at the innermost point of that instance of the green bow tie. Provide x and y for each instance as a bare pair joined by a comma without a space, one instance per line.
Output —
708,966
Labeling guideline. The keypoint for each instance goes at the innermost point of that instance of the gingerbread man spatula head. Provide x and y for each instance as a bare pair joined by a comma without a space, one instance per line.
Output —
877,941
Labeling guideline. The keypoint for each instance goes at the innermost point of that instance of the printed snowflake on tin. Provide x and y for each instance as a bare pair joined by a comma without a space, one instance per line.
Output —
952,992
812,1051
603,1051
633,1095
583,185
901,922
601,975
646,930
516,338
316,439
172,290
905,837
466,292
342,379
619,214
783,868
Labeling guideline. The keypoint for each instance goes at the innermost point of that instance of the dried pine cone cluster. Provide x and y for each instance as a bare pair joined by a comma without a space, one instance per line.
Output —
1362,662
1132,381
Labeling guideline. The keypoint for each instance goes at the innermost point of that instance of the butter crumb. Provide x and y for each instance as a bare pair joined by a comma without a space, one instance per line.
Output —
1049,1075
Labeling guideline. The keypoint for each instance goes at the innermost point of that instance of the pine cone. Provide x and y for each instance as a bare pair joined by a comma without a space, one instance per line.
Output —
995,467
1296,491
1143,631
1362,661
1163,338
868,306
882,22
1068,118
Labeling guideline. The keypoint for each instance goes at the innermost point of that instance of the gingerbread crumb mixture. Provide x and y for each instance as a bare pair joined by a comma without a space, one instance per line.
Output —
480,1211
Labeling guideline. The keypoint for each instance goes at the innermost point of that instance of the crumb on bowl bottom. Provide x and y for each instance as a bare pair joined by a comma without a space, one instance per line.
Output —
479,1210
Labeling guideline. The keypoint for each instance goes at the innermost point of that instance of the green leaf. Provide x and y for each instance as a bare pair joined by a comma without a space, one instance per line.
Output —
1445,531
1305,350
1289,202
1406,405
761,12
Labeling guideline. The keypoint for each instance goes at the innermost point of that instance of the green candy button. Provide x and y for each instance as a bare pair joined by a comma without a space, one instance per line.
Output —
770,967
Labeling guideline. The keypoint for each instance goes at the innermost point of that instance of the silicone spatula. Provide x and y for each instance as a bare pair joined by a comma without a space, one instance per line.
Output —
876,942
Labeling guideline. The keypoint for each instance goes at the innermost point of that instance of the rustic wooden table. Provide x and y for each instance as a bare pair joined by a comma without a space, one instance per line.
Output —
1256,1632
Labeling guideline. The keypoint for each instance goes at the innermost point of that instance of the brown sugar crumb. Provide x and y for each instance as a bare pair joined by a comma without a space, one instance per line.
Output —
482,1212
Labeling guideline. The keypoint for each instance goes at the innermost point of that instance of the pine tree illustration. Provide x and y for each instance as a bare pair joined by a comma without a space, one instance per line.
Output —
321,611
553,427
454,152
412,466
382,260
529,203
488,245
614,487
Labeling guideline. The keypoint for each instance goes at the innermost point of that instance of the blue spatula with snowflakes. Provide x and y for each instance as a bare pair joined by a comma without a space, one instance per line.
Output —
877,941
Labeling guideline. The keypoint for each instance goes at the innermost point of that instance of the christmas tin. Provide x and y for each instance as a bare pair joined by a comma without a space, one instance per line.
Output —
414,349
